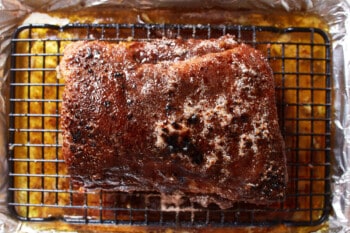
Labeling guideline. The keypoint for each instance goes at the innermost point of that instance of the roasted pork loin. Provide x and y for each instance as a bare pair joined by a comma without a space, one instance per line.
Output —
191,117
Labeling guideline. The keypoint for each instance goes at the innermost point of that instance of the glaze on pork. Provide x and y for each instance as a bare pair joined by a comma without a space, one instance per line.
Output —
196,117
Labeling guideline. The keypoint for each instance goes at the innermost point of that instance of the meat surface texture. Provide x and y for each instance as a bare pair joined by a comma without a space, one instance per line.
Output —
191,117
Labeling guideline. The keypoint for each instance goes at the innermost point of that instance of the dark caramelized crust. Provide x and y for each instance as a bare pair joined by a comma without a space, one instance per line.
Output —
196,117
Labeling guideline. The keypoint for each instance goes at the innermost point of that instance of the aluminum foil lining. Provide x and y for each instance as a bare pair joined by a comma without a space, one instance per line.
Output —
335,13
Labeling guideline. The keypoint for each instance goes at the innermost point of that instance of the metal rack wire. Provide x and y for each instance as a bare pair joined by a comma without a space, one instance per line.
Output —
39,184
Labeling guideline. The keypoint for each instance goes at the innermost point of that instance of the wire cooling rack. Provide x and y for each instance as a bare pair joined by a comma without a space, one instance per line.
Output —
40,189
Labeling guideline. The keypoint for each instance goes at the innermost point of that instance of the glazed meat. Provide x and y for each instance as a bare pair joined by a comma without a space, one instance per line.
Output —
192,117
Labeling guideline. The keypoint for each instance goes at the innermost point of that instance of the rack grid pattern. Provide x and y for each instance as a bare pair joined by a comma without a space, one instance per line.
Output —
40,189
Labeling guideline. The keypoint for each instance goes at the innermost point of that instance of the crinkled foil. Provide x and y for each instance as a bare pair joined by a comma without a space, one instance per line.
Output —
335,13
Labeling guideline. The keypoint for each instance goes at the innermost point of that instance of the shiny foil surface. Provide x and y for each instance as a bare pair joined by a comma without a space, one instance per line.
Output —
335,21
